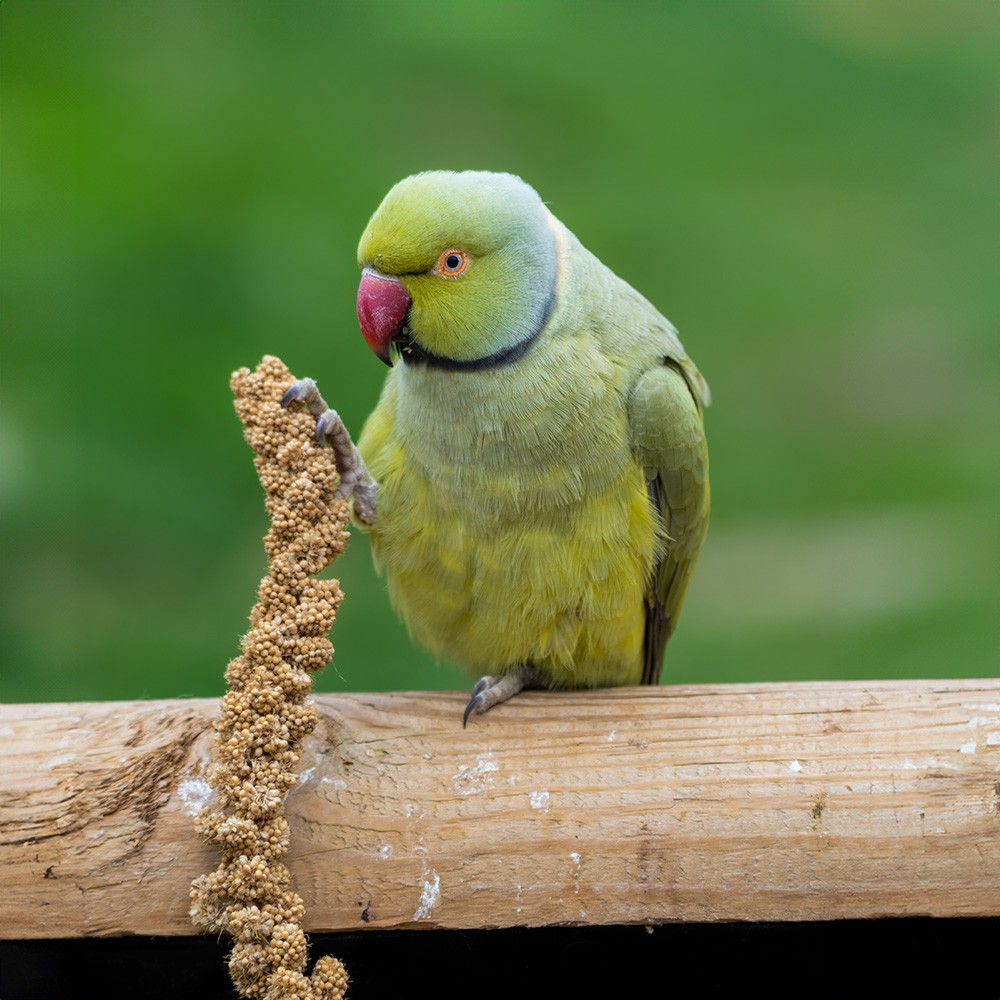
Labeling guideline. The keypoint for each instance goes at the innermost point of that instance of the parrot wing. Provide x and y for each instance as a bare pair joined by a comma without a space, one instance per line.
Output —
668,438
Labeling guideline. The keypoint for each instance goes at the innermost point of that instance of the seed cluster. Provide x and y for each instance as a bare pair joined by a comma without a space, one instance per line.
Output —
265,713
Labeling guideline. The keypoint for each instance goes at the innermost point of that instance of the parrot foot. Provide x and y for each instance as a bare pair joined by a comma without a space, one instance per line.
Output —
490,691
355,480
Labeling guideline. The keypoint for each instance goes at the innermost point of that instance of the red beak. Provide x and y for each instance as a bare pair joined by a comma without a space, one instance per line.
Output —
382,306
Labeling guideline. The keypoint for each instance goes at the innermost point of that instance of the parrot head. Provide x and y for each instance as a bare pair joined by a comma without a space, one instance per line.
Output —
458,270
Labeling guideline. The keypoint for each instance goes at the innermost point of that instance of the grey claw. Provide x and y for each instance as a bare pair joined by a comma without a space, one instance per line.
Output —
292,393
321,429
474,702
478,698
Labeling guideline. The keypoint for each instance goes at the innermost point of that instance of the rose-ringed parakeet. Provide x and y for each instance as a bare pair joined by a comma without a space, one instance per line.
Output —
535,476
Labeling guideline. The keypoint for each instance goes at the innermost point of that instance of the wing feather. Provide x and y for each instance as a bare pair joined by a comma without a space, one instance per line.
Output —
668,436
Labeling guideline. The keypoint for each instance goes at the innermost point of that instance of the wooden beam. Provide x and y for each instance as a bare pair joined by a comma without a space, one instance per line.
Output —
805,801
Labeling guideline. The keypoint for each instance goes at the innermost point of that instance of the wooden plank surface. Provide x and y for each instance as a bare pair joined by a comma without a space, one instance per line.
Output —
805,801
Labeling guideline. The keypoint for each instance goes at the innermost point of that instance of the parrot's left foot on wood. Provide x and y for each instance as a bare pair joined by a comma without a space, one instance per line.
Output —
490,691
355,480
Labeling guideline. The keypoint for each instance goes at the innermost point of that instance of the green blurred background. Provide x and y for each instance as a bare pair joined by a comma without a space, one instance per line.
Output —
808,190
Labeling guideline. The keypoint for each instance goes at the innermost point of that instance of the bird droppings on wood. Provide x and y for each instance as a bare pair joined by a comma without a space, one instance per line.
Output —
195,793
575,858
539,800
429,895
471,779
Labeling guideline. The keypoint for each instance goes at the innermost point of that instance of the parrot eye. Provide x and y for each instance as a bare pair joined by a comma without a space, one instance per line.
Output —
452,263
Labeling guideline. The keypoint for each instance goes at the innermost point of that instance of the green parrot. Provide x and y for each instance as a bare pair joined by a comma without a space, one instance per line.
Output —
534,478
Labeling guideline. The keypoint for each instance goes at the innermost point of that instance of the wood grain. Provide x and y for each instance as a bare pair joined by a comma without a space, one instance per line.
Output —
703,803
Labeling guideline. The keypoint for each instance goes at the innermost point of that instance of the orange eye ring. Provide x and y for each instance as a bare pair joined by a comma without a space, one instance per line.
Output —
451,263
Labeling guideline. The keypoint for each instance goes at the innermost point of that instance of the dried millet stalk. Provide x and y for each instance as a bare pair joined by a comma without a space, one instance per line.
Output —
265,713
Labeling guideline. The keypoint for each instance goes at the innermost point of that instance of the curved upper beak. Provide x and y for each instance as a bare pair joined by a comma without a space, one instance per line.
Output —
383,303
